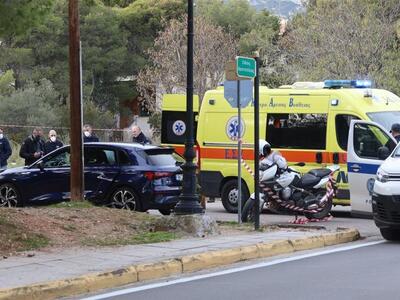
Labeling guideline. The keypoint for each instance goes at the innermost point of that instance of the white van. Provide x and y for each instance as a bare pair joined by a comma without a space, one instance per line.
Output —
373,162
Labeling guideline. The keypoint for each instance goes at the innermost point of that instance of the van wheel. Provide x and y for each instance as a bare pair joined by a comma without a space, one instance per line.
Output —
230,197
390,234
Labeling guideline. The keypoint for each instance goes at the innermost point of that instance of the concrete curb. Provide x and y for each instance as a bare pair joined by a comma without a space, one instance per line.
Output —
195,262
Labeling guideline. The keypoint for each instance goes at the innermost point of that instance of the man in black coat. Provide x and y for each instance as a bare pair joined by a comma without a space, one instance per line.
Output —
53,143
88,135
33,147
395,131
5,150
138,136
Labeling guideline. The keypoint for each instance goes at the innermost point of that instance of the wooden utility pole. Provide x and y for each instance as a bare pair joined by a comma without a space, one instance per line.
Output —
77,179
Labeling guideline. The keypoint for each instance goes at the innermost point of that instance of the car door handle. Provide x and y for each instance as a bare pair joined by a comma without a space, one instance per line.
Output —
355,168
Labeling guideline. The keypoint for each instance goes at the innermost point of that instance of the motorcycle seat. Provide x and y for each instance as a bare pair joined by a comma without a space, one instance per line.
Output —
308,180
320,172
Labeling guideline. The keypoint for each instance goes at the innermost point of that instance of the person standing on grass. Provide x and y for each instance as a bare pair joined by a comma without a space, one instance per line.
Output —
33,147
88,135
138,136
53,143
5,150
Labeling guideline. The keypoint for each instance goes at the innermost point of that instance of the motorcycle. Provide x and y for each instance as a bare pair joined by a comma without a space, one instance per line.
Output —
311,194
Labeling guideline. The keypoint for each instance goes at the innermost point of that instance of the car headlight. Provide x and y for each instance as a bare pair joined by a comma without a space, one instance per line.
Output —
382,176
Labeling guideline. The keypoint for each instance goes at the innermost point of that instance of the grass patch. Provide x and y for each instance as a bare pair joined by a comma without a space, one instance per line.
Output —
35,241
16,239
73,204
140,238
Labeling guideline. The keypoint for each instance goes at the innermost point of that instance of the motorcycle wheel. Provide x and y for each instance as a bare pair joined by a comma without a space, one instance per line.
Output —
323,213
248,211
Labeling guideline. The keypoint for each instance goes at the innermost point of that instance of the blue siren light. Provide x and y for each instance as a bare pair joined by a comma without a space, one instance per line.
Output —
331,84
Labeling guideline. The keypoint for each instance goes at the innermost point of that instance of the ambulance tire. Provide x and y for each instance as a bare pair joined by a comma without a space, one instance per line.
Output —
323,213
229,196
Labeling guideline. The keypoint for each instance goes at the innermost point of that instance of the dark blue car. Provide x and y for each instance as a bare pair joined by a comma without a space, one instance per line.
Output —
129,176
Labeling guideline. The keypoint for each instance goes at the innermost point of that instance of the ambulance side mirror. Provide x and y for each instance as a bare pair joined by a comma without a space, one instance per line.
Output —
383,152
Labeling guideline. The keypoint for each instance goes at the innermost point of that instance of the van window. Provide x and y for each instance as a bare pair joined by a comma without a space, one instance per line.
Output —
342,124
368,139
297,131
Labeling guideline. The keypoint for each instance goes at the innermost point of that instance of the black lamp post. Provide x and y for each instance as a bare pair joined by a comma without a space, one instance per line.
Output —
189,201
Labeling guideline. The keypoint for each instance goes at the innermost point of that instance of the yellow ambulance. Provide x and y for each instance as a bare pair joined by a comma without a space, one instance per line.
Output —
306,122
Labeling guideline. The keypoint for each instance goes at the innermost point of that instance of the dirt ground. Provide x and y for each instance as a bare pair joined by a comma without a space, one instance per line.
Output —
24,229
83,225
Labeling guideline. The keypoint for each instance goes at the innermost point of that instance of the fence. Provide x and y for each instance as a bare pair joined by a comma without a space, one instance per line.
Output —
18,133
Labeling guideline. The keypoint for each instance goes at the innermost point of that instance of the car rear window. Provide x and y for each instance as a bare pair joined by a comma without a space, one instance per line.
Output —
158,156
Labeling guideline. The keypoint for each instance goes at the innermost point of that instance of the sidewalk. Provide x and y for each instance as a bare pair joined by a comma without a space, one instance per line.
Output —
201,252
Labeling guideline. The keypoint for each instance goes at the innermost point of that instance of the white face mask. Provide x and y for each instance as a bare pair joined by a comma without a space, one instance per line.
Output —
1,136
86,133
53,139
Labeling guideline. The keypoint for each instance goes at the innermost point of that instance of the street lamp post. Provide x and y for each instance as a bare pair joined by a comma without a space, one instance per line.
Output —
188,200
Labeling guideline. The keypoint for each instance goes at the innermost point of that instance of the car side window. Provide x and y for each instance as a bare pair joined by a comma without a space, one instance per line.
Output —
368,139
342,124
99,157
124,159
60,160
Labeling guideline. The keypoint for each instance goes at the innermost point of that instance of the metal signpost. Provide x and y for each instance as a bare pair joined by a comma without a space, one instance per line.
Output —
238,91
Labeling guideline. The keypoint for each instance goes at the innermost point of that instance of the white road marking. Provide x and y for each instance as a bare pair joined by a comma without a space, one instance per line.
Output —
228,271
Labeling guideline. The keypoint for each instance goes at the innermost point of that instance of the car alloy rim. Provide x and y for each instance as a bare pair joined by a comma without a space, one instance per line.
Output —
8,196
124,199
233,196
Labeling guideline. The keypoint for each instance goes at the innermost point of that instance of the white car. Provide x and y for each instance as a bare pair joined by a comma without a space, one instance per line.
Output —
386,197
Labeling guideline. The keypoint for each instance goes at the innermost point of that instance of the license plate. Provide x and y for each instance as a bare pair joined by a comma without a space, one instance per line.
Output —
179,177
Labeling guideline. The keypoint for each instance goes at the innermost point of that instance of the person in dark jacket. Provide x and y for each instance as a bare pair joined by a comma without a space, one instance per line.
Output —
5,150
33,147
395,131
138,136
53,143
88,135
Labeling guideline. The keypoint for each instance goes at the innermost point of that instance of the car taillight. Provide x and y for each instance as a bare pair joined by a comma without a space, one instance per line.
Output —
156,175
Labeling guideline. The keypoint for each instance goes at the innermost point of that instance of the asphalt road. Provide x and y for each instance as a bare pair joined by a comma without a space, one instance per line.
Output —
341,214
368,272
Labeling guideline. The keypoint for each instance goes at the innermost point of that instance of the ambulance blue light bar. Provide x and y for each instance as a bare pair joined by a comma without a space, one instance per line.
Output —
335,84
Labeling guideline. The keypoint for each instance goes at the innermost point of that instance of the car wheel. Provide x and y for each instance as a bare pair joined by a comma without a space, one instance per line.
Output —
230,197
165,212
9,196
390,234
125,198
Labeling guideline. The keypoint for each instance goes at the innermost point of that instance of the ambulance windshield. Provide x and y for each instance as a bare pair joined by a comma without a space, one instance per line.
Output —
385,118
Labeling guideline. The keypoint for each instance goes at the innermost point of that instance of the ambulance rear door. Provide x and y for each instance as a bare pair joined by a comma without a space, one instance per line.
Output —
366,140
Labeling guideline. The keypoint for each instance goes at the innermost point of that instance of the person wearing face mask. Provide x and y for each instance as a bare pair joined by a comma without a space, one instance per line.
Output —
53,143
33,147
88,135
5,150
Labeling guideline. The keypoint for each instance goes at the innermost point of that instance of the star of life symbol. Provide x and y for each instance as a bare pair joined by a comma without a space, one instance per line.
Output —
179,127
232,128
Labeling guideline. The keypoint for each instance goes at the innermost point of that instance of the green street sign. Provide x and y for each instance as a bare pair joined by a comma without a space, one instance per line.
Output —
245,67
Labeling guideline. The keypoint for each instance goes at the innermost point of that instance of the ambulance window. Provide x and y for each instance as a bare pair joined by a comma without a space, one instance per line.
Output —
173,124
368,139
297,131
342,123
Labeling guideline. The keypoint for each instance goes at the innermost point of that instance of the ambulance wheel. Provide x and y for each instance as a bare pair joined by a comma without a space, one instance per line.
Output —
230,198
